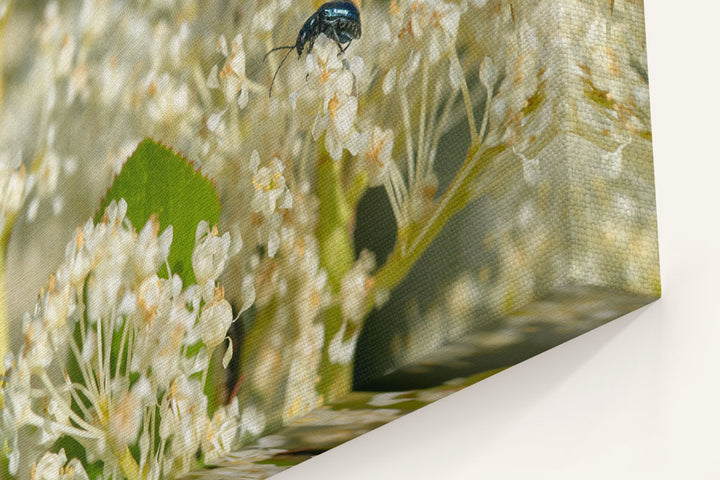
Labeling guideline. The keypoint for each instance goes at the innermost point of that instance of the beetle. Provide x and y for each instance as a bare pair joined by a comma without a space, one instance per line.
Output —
339,21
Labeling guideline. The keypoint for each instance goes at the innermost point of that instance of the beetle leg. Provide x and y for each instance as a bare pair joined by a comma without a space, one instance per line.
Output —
342,50
311,43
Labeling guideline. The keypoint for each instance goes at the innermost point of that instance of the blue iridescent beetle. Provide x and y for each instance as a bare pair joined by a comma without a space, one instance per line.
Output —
339,21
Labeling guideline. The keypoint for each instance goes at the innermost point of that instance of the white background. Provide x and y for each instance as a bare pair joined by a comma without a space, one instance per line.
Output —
637,398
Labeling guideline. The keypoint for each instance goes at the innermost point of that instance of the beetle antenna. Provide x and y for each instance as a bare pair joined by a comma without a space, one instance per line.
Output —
289,47
278,69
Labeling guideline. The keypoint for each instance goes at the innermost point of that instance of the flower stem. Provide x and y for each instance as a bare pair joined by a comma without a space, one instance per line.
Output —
336,256
422,158
3,23
4,319
335,379
336,250
408,136
474,140
453,200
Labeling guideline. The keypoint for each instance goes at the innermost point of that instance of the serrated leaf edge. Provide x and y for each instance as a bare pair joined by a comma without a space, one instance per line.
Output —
196,169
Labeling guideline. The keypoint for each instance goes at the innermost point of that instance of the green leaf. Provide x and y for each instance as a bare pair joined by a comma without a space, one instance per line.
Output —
156,180
4,460
74,449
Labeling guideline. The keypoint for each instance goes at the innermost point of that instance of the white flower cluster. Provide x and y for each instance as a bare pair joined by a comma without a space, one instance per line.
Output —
338,111
139,344
271,195
428,28
194,75
54,466
231,77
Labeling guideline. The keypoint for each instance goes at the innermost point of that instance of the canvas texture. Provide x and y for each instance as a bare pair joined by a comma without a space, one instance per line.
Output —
238,234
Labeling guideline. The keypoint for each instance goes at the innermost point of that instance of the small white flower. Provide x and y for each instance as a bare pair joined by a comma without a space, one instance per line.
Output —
252,421
151,251
456,75
15,185
115,213
487,72
530,166
78,258
74,470
247,293
341,351
612,162
231,78
57,308
125,420
431,25
210,254
220,432
49,465
273,243
167,97
269,185
215,320
37,350
389,80
336,119
213,120
54,466
182,415
377,152
355,286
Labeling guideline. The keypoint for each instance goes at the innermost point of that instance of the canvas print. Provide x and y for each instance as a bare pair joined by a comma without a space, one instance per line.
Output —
237,234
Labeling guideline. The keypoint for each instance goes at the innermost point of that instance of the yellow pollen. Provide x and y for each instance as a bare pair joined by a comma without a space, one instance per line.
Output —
315,299
436,18
407,30
394,8
227,69
324,72
428,191
261,186
374,154
79,239
219,294
28,337
155,224
333,106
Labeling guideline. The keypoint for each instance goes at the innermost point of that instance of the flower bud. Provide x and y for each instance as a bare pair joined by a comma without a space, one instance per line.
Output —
215,321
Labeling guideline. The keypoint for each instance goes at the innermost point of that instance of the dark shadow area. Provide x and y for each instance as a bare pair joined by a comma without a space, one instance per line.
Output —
375,230
375,226
556,317
425,376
